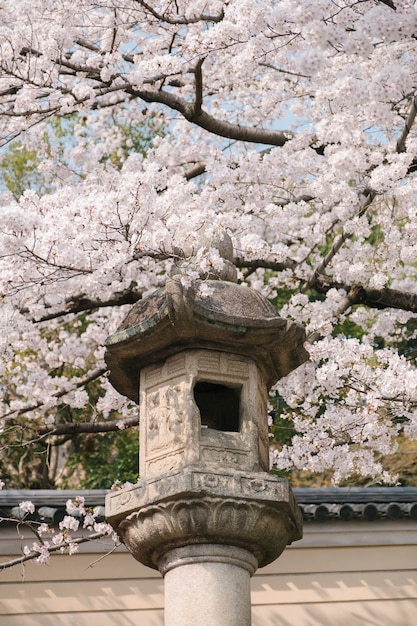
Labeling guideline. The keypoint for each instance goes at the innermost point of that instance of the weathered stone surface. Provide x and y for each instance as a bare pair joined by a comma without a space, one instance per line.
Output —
198,481
153,530
207,584
253,511
175,432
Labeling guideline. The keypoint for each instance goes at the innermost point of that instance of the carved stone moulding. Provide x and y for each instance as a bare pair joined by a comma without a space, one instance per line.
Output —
250,510
194,482
159,528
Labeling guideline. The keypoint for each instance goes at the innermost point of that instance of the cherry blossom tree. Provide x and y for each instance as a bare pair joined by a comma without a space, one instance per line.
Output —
290,125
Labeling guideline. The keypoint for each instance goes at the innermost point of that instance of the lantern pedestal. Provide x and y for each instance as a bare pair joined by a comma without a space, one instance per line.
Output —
207,532
254,511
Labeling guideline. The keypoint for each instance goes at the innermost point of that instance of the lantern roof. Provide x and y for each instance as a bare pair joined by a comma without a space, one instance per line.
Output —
213,312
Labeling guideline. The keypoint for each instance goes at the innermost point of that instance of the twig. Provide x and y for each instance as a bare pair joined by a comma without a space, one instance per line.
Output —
34,554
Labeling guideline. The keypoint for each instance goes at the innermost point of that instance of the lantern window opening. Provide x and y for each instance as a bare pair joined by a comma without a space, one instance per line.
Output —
219,406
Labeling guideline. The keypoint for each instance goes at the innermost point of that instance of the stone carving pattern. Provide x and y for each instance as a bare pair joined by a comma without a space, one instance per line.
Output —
237,368
167,462
176,365
153,530
209,361
166,416
223,456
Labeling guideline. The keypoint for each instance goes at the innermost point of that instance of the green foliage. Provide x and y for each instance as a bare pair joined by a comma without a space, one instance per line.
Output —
408,344
18,170
23,458
349,329
102,459
19,164
283,297
282,427
134,139
377,235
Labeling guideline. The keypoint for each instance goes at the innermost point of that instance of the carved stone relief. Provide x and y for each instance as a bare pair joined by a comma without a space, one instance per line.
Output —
166,416
152,531
196,485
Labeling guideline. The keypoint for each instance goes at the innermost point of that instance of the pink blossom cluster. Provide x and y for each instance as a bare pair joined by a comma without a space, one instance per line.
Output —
61,540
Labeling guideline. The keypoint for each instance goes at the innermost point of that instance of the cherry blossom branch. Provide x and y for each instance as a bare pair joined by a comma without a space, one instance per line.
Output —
72,428
400,146
319,270
352,297
204,120
192,112
60,393
31,255
163,17
34,554
373,298
80,303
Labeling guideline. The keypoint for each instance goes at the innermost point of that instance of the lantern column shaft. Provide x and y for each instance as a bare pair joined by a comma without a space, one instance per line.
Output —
208,585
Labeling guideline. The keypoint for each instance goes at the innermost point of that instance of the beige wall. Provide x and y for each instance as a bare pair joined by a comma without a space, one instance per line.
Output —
338,575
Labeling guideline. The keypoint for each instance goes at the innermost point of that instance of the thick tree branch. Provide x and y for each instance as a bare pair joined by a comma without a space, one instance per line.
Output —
374,298
198,77
389,4
88,427
179,20
206,121
240,133
400,147
196,170
269,263
80,303
295,200
386,298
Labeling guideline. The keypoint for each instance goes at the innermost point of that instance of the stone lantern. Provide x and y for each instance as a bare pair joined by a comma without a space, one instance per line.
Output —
199,356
